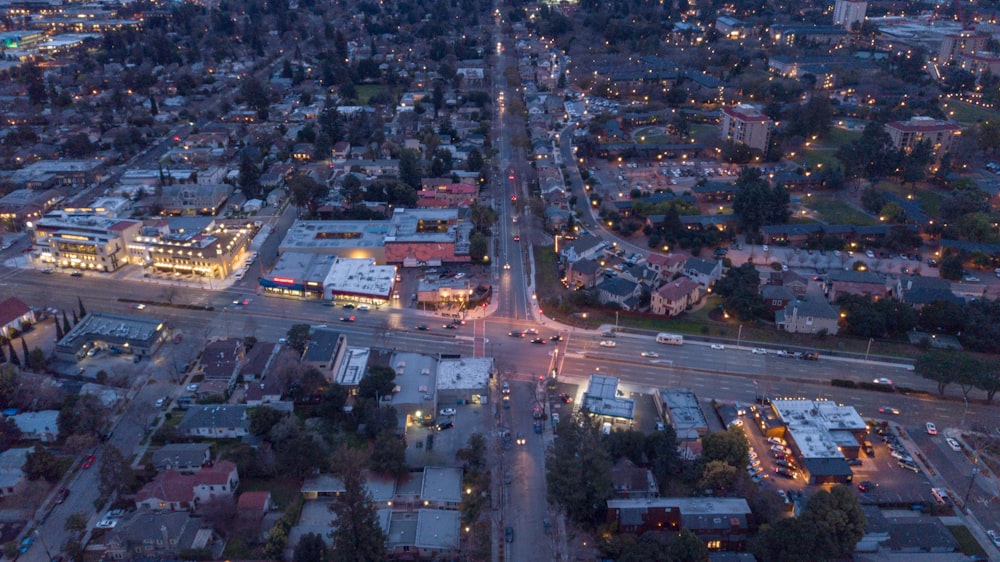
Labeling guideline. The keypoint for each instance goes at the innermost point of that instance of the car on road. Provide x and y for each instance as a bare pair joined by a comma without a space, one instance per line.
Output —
538,341
363,307
89,461
931,428
758,351
193,387
608,343
517,238
506,266
516,334
508,534
241,302
888,410
556,337
348,306
867,486
447,412
137,306
538,426
26,544
955,445
76,274
160,402
520,438
451,326
883,380
347,318
47,270
566,398
445,425
423,327
717,346
994,536
652,354
62,495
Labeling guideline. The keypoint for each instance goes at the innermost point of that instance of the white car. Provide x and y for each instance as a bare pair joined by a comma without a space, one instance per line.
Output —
776,441
955,445
995,537
649,354
765,248
717,346
931,428
107,524
192,387
608,343
758,351
870,254
447,412
364,307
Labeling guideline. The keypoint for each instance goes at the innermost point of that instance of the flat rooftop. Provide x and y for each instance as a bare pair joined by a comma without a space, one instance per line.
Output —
302,267
330,236
354,365
464,373
683,410
360,277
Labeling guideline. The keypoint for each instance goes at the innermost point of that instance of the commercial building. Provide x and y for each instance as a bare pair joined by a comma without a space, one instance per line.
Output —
46,174
202,246
907,134
84,241
23,205
603,401
846,13
822,436
743,124
464,380
118,333
679,406
325,351
311,275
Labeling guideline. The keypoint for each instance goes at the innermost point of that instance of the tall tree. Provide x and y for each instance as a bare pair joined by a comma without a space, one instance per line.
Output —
357,534
937,366
249,178
577,469
24,350
65,323
758,203
740,292
409,168
41,463
311,548
729,446
83,311
13,356
389,454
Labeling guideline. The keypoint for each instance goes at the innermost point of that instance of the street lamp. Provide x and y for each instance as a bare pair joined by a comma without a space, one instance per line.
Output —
869,348
739,336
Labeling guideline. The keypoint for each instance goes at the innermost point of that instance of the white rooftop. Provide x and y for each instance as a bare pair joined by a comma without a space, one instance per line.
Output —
360,277
464,373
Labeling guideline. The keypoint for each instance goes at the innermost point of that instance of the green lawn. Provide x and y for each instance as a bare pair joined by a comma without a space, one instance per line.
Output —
368,90
834,211
817,156
967,113
929,199
838,137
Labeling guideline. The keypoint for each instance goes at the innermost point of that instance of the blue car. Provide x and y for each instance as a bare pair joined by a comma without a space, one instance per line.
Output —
26,544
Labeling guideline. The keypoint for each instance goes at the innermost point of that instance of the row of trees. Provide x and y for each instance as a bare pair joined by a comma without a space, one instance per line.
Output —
964,369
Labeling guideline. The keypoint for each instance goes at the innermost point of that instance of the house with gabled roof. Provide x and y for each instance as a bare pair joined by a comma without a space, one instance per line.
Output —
619,291
703,272
158,535
171,490
582,273
920,291
221,360
808,317
852,282
14,316
586,246
674,297
776,297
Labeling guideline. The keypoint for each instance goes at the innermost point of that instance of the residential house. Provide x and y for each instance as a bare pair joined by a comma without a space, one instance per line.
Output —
619,291
217,421
14,317
920,291
631,481
808,317
171,490
325,351
674,297
251,509
38,426
182,457
855,283
720,521
665,266
258,359
221,360
158,535
704,272
789,279
586,246
776,297
582,273
12,478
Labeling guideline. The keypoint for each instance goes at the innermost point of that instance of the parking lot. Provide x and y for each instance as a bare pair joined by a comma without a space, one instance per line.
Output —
430,446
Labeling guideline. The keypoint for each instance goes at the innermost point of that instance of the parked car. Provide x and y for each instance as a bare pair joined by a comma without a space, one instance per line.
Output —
445,425
955,446
776,441
758,351
62,495
447,412
931,428
717,346
89,461
787,473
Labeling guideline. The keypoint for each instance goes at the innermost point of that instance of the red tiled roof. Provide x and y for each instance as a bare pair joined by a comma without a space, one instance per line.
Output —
253,501
677,289
216,475
396,252
742,116
12,309
121,225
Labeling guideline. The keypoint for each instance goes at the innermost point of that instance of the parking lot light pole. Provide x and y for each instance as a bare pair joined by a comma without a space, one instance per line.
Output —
867,351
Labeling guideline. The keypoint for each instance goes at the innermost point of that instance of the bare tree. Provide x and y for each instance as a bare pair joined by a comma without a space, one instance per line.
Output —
220,512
